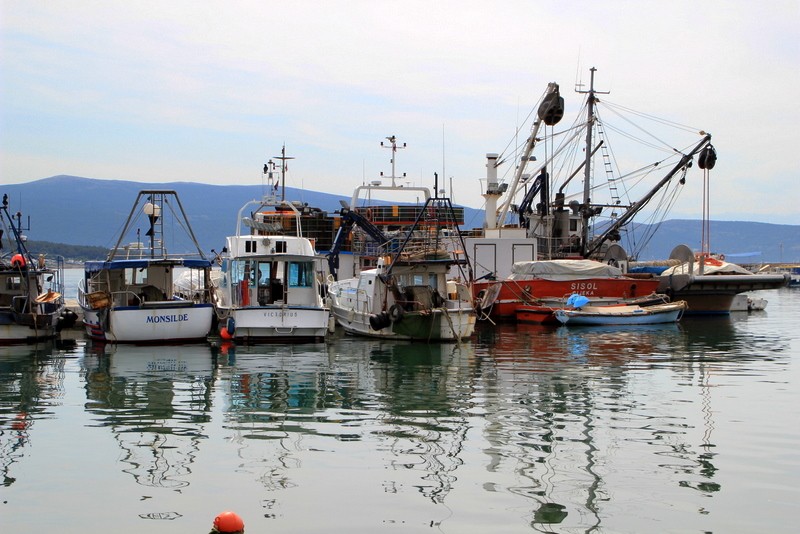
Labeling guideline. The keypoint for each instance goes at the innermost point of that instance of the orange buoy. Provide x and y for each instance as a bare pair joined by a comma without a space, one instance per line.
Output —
18,261
228,522
224,334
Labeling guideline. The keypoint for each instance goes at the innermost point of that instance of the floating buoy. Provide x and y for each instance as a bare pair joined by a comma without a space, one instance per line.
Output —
18,261
228,522
224,334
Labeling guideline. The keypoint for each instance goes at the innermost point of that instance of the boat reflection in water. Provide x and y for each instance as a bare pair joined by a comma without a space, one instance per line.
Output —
525,427
156,404
31,381
363,394
567,403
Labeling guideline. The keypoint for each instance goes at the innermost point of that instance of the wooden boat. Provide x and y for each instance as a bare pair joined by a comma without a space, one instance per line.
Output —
543,311
532,281
32,306
622,315
130,297
270,286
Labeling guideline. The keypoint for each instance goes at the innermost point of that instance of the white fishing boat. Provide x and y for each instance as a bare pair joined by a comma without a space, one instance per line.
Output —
405,298
270,286
622,315
130,297
418,289
32,304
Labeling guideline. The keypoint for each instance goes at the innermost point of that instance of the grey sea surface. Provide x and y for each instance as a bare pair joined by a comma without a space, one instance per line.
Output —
689,427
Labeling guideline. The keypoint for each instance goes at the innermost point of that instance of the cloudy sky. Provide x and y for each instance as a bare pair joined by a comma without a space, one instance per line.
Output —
209,91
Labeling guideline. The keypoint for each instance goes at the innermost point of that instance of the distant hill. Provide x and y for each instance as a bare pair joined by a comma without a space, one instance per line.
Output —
84,211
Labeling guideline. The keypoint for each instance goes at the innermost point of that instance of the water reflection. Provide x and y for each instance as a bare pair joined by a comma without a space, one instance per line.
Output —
525,428
156,402
31,385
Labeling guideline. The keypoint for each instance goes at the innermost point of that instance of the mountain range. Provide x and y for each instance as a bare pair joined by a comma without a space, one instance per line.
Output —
85,211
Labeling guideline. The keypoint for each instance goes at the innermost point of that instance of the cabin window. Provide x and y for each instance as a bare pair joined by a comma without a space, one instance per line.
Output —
573,225
301,273
13,282
135,276
264,269
280,247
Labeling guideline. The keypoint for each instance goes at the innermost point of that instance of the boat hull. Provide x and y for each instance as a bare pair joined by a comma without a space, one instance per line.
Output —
713,294
536,314
275,324
613,315
439,324
13,332
173,323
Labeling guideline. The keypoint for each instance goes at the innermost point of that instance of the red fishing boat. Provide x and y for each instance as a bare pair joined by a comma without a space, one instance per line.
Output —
545,234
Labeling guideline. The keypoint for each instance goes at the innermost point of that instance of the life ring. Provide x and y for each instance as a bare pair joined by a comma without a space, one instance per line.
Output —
18,261
396,313
722,257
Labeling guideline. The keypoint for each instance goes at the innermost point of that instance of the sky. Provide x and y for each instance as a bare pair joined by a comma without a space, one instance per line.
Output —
209,91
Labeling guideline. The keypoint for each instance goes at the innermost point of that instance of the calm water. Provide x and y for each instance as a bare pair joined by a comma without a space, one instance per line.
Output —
679,428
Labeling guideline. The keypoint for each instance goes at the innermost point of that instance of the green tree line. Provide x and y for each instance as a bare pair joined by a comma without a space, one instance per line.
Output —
77,253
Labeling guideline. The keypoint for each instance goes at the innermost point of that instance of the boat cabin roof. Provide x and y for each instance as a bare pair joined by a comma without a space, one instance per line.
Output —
96,266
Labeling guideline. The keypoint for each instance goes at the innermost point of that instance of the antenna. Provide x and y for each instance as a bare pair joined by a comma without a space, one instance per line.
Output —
443,154
393,140
283,157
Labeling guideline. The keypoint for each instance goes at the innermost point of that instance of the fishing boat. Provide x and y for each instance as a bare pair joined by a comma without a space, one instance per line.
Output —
543,311
538,210
406,296
130,297
270,287
419,287
32,306
669,312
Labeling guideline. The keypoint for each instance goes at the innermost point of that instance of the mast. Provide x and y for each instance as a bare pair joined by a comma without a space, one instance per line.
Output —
587,168
393,146
283,157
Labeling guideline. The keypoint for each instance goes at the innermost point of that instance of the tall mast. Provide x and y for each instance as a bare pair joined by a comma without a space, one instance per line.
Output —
587,168
283,157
